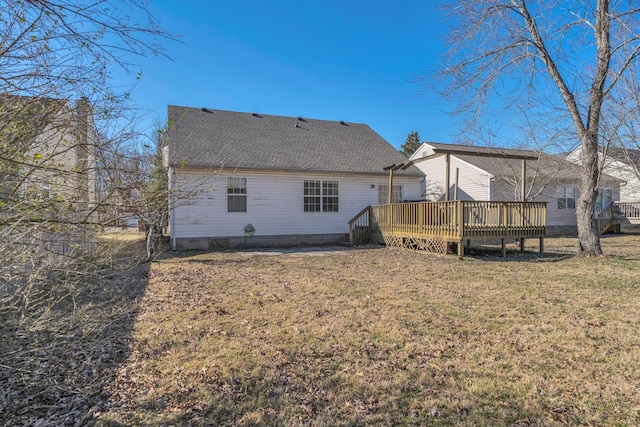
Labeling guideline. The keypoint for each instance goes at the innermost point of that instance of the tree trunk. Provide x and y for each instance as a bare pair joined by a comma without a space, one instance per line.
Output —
588,234
151,242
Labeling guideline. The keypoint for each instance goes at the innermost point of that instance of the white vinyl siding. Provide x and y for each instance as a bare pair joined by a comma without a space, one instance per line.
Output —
274,203
473,183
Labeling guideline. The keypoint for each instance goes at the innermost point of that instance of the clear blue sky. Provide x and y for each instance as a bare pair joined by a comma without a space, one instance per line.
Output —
336,60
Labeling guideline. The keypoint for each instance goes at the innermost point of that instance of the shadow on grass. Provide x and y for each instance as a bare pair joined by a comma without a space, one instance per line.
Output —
486,253
59,351
495,254
288,397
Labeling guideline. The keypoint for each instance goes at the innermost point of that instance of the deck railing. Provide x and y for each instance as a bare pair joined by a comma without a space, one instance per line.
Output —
628,210
454,220
360,227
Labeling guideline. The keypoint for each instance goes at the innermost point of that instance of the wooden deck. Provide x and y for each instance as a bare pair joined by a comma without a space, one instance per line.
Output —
434,226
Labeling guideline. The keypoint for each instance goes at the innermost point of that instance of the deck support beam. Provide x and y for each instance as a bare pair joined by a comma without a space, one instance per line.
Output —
447,183
390,192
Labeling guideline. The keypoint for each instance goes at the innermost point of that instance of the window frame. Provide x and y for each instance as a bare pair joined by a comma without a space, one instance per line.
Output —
564,200
236,194
383,194
321,195
330,196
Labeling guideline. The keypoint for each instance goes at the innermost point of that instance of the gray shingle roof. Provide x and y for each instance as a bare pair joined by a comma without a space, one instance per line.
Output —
548,167
625,155
474,149
216,138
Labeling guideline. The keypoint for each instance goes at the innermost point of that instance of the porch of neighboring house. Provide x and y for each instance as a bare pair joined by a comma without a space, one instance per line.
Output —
439,227
618,214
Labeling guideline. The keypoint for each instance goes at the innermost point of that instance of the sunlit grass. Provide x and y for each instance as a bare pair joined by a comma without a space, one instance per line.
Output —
387,337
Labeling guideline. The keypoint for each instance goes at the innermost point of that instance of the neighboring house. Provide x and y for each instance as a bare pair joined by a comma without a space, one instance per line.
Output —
243,179
47,176
47,147
549,179
623,164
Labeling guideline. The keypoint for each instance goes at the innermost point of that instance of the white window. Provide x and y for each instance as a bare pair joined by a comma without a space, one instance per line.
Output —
46,188
329,196
236,194
320,196
566,197
383,194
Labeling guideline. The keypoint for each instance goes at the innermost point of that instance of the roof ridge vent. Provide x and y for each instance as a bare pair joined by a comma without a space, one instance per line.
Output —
342,122
205,110
256,115
302,119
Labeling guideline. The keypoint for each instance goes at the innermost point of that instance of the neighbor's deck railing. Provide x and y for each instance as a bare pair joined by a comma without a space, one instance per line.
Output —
629,210
453,221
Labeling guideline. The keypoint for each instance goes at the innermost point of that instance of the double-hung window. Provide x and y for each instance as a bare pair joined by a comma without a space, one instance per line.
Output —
566,197
236,194
320,196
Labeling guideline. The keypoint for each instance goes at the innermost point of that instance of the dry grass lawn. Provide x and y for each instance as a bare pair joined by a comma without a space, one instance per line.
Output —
384,336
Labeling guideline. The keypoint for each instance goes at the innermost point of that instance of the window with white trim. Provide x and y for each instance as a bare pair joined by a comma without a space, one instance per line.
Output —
320,196
236,194
383,194
329,196
566,197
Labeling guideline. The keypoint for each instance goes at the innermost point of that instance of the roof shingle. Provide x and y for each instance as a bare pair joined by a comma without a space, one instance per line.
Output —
209,138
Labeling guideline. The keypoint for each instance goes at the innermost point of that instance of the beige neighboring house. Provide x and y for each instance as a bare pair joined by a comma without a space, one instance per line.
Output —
623,164
49,144
549,179
247,179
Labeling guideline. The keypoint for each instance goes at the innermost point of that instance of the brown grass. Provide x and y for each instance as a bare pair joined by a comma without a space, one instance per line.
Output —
386,337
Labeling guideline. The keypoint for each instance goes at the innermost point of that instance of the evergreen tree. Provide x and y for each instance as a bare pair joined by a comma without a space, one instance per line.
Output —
411,145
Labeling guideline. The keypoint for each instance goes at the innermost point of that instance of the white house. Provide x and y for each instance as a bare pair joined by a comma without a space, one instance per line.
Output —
247,179
548,178
623,164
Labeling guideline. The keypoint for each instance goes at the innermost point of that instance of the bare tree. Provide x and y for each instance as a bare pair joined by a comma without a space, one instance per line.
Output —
68,142
564,59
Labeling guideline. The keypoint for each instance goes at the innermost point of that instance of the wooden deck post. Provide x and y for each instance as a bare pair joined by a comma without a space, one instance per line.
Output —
455,188
541,244
504,248
447,178
523,184
460,249
390,192
351,237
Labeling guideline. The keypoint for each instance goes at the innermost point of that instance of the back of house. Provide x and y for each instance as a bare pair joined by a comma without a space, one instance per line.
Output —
248,180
